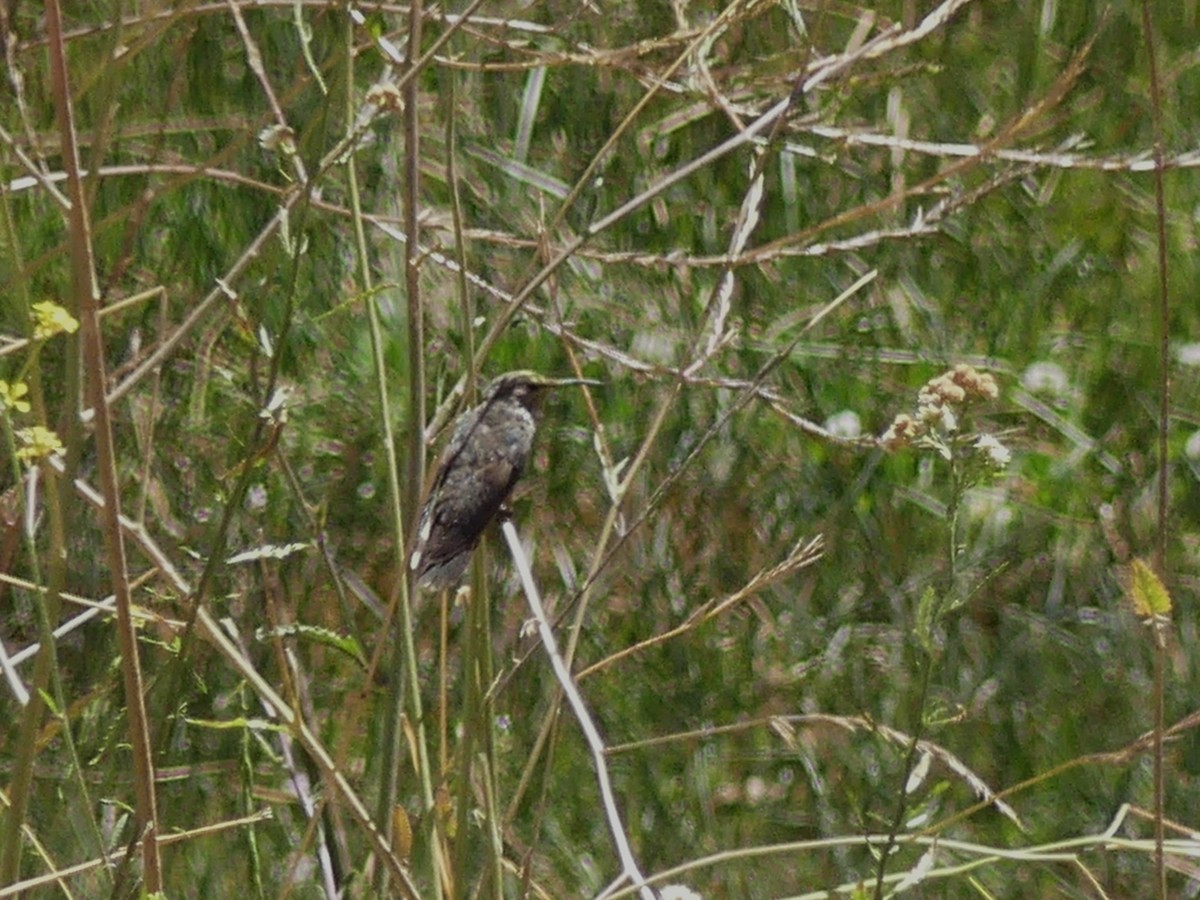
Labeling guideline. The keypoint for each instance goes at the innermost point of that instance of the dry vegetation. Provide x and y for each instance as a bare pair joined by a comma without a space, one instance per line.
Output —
883,299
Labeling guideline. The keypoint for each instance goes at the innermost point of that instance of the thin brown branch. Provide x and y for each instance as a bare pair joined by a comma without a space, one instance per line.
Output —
87,300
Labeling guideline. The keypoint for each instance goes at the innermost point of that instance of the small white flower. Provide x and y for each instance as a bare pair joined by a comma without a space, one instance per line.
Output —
917,776
998,455
1192,447
940,417
1046,378
278,139
385,95
1188,354
937,415
256,498
845,424
756,790
919,872
277,406
929,413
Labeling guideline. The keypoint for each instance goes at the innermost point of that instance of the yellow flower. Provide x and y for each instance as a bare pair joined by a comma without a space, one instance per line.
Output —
39,442
50,319
11,394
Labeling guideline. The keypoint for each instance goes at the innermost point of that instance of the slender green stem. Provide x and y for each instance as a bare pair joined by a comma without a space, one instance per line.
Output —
1164,419
945,600
910,761
392,731
952,509
46,674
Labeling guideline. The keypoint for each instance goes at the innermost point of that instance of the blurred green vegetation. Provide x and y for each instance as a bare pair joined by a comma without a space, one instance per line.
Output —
1032,256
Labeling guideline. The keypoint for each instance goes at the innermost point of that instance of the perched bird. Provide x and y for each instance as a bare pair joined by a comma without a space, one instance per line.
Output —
477,472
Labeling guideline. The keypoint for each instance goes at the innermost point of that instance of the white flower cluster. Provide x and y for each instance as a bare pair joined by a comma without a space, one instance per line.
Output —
938,404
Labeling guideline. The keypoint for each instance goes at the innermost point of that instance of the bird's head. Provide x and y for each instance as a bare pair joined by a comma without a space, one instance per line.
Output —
526,387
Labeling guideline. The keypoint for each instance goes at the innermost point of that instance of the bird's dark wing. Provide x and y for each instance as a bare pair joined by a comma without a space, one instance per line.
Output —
469,500
450,453
475,475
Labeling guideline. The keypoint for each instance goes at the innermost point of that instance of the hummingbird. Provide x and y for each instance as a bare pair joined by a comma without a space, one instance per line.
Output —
483,461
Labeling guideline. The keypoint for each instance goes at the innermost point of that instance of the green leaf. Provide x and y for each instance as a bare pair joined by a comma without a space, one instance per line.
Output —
345,644
1147,592
927,611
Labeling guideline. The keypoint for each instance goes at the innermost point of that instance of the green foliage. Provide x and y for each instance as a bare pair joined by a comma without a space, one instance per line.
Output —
993,174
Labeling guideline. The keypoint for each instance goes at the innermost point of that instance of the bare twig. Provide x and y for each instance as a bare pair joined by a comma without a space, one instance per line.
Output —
575,699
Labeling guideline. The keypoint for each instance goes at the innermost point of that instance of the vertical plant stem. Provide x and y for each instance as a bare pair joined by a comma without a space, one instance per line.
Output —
910,761
405,686
392,730
460,247
945,600
46,677
475,659
22,770
1164,409
1160,652
405,665
412,272
87,296
952,509
58,510
477,669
